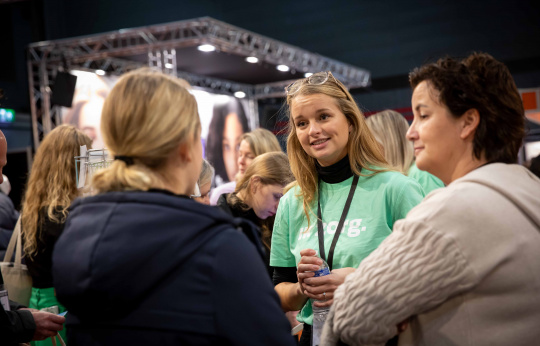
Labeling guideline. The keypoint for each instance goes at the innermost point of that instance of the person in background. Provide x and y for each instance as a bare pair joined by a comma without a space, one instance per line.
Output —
8,214
228,124
49,192
205,183
140,262
19,324
390,129
463,268
333,155
257,195
252,144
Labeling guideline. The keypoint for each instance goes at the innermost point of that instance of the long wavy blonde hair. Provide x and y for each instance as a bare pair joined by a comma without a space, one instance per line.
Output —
146,116
52,182
362,147
390,129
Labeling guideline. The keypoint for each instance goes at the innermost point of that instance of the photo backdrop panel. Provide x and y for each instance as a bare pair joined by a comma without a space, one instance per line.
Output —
224,119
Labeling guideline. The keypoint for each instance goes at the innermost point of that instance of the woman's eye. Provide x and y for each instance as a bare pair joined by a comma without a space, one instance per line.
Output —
423,116
324,116
300,124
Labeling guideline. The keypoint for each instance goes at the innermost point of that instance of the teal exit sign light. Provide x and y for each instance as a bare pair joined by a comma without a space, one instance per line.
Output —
7,115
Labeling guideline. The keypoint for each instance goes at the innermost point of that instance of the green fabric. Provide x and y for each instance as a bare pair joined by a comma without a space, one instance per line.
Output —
428,181
379,201
45,298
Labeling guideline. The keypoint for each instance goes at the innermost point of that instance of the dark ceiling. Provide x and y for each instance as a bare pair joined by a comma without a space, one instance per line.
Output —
387,38
225,66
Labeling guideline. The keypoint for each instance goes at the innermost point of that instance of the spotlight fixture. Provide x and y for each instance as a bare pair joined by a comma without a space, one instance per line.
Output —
308,74
252,59
100,72
240,94
283,68
206,48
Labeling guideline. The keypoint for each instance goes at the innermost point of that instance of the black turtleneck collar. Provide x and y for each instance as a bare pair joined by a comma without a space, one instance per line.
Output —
336,173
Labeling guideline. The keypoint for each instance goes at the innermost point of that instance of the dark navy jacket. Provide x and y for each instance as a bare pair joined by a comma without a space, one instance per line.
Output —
8,220
152,268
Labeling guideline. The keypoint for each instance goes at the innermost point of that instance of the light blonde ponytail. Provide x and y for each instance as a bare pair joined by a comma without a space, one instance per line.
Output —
145,117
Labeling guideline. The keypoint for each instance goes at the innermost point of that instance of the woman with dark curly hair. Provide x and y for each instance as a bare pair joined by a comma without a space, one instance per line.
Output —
463,268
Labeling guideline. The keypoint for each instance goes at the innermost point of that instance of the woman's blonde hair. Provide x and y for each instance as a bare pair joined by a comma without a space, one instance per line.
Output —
362,147
390,129
146,116
270,169
52,184
261,141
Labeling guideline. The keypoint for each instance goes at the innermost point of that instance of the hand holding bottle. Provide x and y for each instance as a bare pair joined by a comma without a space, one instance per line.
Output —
308,265
322,288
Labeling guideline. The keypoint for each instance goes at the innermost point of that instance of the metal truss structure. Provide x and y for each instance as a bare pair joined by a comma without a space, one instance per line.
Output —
111,53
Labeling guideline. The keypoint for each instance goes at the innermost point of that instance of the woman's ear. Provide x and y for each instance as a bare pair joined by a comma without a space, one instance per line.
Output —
470,120
184,152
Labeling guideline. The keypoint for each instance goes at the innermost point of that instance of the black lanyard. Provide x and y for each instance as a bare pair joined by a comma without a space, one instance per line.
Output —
339,227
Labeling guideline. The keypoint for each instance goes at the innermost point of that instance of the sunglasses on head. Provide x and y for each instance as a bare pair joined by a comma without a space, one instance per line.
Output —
315,79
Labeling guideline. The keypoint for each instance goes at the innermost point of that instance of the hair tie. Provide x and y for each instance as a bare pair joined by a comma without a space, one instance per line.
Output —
127,159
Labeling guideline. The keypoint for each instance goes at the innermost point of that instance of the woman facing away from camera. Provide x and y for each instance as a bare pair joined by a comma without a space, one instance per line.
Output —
252,144
343,180
464,267
49,192
390,129
257,195
140,263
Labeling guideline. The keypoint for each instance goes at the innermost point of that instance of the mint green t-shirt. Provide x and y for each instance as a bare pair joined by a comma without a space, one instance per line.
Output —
428,181
378,202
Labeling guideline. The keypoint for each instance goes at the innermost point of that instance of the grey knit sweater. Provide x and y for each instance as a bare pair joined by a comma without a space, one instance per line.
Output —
464,265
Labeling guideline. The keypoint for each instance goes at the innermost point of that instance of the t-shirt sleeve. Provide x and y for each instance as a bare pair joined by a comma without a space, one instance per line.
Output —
398,280
405,195
429,182
280,251
248,309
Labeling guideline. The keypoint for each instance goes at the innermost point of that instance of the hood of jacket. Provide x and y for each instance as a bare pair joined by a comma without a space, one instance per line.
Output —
117,246
516,183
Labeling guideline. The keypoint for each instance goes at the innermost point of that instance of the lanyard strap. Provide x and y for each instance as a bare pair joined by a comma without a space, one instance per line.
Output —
339,227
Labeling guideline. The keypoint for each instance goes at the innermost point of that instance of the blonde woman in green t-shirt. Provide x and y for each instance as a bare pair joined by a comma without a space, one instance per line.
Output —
333,156
390,129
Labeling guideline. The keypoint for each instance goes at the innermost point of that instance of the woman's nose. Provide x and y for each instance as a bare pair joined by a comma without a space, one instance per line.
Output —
412,133
314,128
